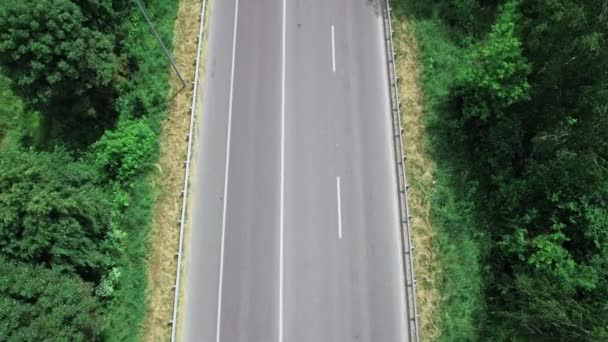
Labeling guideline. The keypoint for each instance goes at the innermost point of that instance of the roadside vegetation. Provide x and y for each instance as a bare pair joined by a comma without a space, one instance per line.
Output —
511,167
168,178
83,92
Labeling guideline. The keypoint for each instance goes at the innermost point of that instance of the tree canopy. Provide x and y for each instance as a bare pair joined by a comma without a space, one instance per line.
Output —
79,128
53,213
38,304
60,65
531,109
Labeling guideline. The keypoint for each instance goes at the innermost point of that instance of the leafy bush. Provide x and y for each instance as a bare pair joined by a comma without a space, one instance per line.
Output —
496,74
127,151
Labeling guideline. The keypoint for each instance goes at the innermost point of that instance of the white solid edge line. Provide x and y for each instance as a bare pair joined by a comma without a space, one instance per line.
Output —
221,275
339,207
282,184
333,49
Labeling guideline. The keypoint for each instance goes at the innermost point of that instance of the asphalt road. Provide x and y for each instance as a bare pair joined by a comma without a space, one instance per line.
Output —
295,228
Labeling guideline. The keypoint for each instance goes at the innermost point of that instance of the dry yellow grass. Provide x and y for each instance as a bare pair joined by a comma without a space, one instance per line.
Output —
169,179
419,171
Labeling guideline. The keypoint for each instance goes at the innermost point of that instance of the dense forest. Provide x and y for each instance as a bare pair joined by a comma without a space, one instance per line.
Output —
516,118
83,89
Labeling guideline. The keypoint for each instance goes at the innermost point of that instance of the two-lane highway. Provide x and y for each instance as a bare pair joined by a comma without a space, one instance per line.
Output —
295,229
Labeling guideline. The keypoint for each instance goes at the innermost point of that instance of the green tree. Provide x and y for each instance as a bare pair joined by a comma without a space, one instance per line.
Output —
53,212
105,15
567,42
531,110
525,124
492,83
497,75
59,65
38,304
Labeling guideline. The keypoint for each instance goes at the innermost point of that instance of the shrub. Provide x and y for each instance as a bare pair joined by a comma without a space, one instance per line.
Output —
127,151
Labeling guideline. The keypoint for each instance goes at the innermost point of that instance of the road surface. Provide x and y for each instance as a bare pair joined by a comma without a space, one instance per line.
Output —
295,227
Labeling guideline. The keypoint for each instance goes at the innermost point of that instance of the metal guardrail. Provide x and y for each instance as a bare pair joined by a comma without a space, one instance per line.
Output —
404,210
182,220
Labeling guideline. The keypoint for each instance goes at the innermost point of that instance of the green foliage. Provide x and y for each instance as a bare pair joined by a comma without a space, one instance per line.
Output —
552,205
53,213
128,301
496,77
38,304
58,64
105,15
143,99
489,85
461,13
10,106
17,126
469,17
107,286
126,152
82,223
555,237
141,94
458,241
543,312
523,129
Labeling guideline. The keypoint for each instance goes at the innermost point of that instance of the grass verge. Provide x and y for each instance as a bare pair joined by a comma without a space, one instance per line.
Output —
420,176
146,92
448,244
169,178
